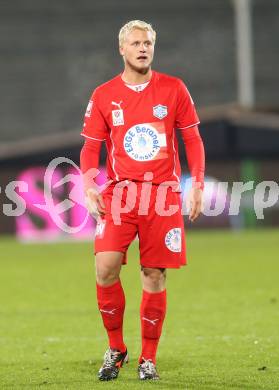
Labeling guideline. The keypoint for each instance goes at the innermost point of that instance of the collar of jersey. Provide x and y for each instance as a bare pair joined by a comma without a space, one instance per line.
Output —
135,92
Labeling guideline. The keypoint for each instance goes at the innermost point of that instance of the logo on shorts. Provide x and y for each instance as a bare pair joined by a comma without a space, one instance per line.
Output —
100,228
143,142
160,111
89,108
173,240
117,115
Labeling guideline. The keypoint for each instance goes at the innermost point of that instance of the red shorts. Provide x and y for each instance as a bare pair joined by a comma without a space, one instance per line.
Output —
150,211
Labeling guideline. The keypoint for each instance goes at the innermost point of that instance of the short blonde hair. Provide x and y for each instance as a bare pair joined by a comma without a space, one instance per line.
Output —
135,24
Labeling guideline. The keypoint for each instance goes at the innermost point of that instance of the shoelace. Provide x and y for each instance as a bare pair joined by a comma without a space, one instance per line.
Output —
148,366
110,358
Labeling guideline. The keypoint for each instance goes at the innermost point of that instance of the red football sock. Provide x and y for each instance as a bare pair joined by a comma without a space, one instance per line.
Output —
152,313
111,302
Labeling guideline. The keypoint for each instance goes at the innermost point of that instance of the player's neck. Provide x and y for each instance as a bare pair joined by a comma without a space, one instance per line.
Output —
130,76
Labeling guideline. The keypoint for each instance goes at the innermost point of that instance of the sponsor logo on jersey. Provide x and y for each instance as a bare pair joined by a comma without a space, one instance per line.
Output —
117,115
89,108
160,111
143,142
173,240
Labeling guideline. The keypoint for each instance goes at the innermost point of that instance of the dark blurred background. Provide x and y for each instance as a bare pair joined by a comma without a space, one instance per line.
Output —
54,53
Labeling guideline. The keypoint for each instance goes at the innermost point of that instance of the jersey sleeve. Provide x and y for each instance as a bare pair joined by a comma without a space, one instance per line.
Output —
186,115
94,126
195,155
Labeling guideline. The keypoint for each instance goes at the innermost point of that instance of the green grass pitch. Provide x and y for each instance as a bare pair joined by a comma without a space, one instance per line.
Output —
221,329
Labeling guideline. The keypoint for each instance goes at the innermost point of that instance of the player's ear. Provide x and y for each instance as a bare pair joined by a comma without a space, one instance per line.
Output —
121,51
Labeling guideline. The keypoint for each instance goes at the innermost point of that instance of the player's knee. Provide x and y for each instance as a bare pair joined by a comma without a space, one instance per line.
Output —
108,266
106,276
154,276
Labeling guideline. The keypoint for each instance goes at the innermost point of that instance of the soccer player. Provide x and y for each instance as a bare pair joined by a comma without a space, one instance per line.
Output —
136,114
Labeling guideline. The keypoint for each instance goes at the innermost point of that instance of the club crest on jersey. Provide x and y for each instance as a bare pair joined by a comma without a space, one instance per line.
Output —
173,240
143,142
160,111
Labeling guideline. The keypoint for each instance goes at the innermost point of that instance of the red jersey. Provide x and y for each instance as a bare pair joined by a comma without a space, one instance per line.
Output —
139,127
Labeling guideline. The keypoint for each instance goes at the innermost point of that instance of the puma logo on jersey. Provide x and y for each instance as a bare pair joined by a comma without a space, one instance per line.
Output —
117,104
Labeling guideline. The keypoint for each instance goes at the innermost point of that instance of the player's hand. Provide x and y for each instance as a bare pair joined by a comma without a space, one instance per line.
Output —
94,203
195,203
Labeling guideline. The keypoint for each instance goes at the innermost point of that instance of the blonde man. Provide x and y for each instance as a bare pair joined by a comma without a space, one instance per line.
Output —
136,114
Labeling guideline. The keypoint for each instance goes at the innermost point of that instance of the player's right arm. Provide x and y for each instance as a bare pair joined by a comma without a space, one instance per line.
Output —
94,131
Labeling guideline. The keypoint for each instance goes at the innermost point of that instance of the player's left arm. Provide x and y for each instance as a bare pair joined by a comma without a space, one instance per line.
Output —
187,121
196,161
